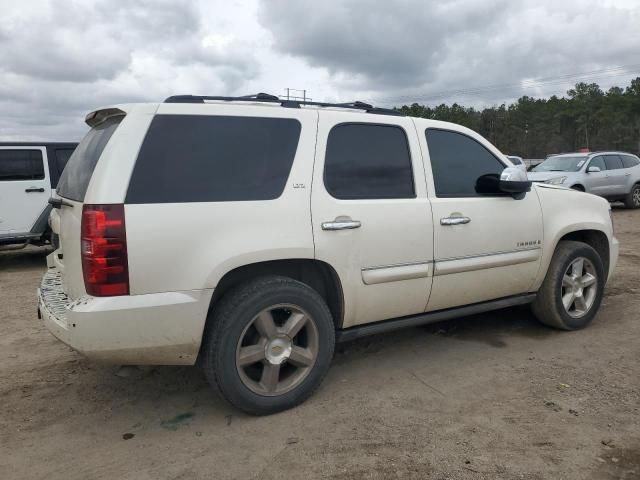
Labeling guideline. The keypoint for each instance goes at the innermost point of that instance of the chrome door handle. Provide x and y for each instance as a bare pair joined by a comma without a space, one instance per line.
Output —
341,224
454,220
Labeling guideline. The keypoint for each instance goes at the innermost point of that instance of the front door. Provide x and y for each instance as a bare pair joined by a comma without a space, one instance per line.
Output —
596,182
485,247
371,216
24,188
616,176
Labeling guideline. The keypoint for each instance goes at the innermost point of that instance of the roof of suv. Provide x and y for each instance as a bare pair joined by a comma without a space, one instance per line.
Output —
589,154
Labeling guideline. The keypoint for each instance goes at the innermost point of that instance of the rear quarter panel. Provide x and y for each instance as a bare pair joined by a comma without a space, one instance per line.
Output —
189,246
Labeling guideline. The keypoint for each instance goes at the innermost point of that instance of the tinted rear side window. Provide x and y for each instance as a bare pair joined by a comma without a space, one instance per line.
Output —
613,162
367,161
198,158
21,165
78,170
628,161
457,161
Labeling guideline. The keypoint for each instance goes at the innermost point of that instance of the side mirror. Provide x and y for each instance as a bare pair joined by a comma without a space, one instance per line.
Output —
513,181
593,169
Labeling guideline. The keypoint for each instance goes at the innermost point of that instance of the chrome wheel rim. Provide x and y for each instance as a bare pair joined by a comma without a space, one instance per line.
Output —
277,350
636,197
579,287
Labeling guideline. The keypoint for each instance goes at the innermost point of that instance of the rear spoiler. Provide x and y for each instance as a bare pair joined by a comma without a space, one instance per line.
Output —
98,116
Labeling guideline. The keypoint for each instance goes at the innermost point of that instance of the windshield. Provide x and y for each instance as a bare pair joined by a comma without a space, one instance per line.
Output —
561,164
77,173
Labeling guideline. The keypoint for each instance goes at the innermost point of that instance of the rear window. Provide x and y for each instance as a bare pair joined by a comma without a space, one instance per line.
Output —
198,158
80,166
21,165
629,161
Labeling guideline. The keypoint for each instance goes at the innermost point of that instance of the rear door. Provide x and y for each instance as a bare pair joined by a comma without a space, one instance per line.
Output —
371,215
24,188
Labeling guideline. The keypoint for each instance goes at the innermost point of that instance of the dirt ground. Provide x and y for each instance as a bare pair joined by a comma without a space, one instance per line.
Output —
489,396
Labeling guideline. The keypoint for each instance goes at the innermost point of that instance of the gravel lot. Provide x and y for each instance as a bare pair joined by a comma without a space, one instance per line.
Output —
489,396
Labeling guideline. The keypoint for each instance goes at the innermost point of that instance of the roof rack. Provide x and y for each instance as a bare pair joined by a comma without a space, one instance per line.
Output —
267,98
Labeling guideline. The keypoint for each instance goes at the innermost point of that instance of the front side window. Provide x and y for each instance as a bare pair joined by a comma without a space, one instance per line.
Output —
21,164
613,162
214,158
598,162
457,161
368,161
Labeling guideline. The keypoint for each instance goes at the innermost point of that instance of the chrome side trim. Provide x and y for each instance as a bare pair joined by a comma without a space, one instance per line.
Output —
470,263
394,273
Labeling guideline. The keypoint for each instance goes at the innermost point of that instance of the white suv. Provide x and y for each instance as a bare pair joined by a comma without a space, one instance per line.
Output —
250,234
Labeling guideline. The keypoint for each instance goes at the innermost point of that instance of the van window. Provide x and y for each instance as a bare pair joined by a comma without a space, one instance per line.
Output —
75,178
457,161
368,161
207,158
21,165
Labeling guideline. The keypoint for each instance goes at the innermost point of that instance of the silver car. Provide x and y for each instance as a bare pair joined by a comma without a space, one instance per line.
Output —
612,175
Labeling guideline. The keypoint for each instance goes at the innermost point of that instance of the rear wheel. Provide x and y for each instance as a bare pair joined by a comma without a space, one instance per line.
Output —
571,293
632,200
268,344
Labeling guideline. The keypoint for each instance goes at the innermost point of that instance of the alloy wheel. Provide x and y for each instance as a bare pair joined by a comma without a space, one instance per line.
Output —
277,350
579,287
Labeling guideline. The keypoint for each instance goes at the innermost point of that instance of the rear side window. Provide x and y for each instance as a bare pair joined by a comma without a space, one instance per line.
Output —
457,161
613,162
75,178
21,165
629,161
62,157
368,161
198,158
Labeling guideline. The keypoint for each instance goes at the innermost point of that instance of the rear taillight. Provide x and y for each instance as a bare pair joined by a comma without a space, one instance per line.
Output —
104,250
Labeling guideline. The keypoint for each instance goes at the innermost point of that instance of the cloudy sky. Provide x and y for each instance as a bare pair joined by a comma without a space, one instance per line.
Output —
60,59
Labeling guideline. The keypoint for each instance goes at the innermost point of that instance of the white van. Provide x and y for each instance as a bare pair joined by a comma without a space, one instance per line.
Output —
29,172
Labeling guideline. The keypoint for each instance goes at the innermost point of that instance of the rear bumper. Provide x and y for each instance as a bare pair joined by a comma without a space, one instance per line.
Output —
154,329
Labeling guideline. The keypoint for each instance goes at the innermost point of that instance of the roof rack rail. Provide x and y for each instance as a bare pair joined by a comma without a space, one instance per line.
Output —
267,98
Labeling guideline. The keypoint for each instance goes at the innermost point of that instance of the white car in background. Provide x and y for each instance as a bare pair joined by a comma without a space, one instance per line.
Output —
612,175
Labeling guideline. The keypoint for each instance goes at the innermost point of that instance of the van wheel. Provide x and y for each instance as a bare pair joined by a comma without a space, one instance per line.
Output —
633,199
268,344
571,293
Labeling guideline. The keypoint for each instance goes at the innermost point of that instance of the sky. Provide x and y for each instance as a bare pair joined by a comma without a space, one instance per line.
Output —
62,59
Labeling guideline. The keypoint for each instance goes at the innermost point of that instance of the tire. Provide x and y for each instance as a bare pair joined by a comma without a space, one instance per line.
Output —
548,306
632,200
241,350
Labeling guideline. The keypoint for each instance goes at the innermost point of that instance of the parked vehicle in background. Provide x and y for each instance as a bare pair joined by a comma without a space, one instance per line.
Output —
29,173
612,175
517,162
250,234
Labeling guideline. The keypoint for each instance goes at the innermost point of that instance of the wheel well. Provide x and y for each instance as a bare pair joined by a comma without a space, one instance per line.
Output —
597,240
577,186
318,275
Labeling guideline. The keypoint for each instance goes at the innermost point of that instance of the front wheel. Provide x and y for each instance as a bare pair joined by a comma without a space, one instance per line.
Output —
572,290
633,199
268,344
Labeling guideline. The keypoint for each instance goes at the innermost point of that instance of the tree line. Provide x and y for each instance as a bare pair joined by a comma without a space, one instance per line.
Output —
587,117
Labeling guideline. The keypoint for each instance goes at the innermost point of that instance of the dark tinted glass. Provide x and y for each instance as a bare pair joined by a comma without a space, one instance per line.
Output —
197,158
369,162
62,157
21,165
77,173
613,162
598,162
457,161
628,161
